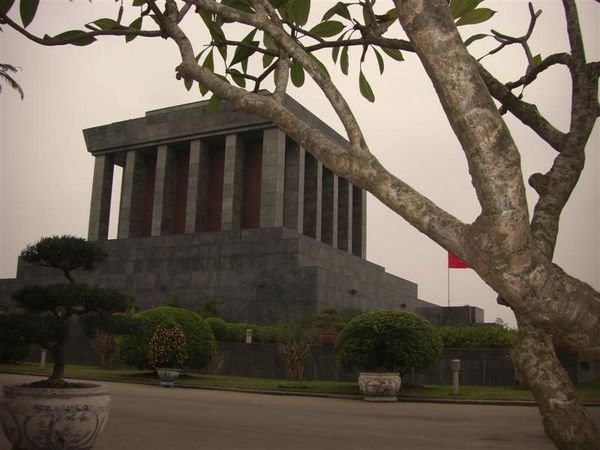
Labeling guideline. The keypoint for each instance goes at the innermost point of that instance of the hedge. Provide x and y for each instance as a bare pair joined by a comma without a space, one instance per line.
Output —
491,336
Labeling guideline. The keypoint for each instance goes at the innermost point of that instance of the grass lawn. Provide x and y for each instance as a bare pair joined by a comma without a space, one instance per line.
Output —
586,392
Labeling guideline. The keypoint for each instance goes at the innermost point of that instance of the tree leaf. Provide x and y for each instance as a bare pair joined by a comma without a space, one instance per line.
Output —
267,60
297,74
379,60
299,11
242,52
242,5
106,24
341,9
188,83
460,7
476,16
203,89
474,38
393,53
80,38
365,87
209,62
237,77
5,5
135,25
213,104
344,63
328,28
28,8
139,2
537,60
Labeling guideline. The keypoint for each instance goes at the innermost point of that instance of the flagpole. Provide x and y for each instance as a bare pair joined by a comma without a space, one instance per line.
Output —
448,269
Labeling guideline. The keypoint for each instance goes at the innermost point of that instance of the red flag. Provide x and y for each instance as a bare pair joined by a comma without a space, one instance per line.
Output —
456,263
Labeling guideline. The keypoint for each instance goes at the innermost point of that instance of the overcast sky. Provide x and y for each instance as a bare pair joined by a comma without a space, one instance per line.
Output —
46,172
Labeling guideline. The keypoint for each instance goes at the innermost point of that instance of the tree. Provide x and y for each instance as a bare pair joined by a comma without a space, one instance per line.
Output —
47,312
510,249
5,76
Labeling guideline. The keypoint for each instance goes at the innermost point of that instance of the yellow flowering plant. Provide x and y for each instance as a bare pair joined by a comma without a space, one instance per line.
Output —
167,346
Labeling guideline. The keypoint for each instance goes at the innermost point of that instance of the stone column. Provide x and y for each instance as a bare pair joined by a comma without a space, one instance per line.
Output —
293,205
359,222
272,178
101,196
313,188
131,192
232,183
163,192
344,215
330,208
197,187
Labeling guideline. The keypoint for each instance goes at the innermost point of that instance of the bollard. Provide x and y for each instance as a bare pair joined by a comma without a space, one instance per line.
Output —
43,359
455,366
249,336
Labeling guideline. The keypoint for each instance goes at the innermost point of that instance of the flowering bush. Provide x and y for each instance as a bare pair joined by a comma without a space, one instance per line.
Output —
167,346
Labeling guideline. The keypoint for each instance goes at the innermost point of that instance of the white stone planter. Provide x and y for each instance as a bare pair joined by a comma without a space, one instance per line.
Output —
54,419
379,386
167,376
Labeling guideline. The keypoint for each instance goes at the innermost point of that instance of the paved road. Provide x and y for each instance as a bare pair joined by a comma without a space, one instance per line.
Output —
148,418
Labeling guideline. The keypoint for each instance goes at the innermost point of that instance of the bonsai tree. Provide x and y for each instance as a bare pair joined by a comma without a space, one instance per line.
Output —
167,346
389,341
47,312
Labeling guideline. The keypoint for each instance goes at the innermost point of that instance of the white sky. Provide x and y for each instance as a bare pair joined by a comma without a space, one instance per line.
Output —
46,172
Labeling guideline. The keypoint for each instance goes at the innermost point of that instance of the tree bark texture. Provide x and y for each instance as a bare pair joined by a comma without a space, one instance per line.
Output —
566,421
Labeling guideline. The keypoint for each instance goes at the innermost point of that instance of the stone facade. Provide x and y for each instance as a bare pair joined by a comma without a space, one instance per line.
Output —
224,205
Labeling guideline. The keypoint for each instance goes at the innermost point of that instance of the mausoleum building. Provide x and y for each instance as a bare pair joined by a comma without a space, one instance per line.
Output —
225,206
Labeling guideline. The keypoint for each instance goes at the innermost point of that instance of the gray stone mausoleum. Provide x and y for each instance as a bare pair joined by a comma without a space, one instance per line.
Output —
224,205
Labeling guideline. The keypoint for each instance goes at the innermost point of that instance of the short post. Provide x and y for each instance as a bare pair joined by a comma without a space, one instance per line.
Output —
43,359
455,366
249,336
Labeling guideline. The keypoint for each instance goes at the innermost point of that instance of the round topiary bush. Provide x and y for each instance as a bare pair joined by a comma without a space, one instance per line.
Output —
218,327
387,341
200,341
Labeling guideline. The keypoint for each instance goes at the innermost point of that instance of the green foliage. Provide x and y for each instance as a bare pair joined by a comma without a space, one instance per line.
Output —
209,308
13,346
66,253
477,337
218,327
200,342
301,331
236,332
386,340
167,346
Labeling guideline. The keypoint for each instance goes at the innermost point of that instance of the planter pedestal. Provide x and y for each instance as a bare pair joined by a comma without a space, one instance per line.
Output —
54,419
167,376
379,387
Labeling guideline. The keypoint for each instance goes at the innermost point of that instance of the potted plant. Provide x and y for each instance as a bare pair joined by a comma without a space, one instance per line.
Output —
167,352
326,323
383,345
53,413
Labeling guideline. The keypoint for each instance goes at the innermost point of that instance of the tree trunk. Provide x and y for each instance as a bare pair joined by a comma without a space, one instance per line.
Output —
566,421
58,354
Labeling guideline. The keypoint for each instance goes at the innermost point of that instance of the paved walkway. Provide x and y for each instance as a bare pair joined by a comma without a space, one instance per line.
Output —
149,418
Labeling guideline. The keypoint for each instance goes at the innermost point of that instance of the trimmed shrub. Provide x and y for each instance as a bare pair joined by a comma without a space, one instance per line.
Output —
387,340
492,336
200,341
218,327
236,332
